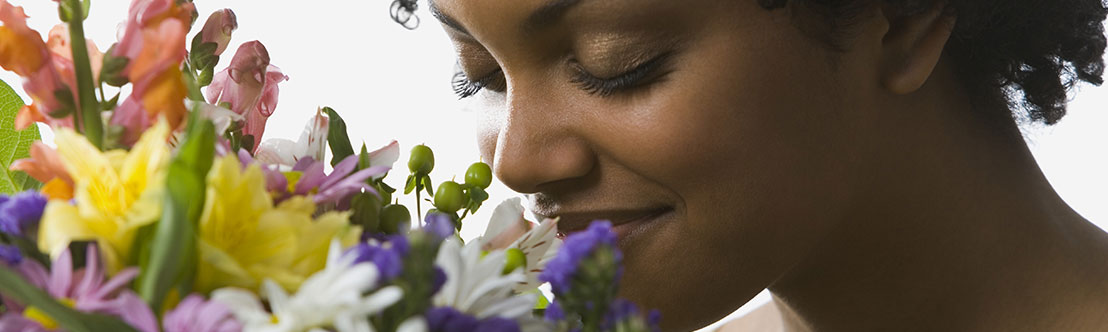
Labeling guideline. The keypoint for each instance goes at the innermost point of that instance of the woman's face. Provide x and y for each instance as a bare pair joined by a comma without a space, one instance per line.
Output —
719,137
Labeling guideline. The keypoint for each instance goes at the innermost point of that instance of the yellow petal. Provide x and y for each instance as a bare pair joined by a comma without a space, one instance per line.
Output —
61,224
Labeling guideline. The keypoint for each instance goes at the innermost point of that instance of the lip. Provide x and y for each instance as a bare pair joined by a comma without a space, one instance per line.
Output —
625,223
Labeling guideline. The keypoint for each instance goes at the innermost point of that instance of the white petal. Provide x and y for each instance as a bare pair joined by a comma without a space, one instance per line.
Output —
414,324
243,304
380,300
279,151
507,213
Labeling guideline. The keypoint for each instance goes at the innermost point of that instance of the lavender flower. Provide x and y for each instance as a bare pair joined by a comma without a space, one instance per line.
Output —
577,248
194,314
21,212
10,255
446,319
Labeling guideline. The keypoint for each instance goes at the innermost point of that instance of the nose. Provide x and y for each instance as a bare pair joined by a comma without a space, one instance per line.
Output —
539,142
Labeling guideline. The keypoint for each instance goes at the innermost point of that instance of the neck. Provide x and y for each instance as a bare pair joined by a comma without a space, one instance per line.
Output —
959,231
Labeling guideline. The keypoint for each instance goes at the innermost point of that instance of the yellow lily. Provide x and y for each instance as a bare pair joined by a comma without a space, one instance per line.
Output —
116,193
245,239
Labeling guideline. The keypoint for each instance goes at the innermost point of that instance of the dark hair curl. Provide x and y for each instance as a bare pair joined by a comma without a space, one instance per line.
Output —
1009,53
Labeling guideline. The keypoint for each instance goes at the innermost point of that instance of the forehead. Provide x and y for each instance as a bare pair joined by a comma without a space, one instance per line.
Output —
531,17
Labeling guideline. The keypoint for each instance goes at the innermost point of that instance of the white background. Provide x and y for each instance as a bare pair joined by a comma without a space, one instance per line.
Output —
391,83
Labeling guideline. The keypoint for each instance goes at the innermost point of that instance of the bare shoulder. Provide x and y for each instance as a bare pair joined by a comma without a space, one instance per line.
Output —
765,318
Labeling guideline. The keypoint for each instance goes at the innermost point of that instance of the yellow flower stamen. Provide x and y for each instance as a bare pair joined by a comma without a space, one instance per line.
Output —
35,314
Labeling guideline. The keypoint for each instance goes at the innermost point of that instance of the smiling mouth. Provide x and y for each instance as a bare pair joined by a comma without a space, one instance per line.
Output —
625,223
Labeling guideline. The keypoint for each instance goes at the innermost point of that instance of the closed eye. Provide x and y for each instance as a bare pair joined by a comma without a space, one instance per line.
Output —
648,72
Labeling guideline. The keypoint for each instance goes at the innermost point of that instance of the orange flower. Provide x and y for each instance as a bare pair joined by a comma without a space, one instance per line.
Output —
22,51
21,48
46,166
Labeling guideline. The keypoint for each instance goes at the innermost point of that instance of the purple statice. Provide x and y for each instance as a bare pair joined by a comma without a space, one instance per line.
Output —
446,319
578,247
10,255
553,312
438,279
21,212
624,315
194,314
439,224
388,256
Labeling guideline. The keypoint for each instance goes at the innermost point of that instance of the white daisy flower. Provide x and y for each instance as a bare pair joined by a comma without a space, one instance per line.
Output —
474,284
508,229
332,298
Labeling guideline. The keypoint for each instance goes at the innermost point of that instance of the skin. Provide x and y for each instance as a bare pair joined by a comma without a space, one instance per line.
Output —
861,186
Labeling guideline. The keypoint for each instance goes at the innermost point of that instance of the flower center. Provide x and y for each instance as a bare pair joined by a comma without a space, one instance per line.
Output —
35,314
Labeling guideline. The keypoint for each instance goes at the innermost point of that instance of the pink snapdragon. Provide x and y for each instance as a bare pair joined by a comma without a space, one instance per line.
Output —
146,14
249,85
218,28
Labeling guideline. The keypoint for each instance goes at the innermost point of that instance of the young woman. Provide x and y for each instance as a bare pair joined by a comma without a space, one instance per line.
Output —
859,158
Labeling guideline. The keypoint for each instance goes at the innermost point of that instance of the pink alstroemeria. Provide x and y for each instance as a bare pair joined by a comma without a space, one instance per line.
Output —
385,156
275,181
218,28
338,186
249,84
194,314
86,290
22,51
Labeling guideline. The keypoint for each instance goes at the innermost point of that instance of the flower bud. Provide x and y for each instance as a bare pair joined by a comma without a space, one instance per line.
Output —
422,160
218,29
449,197
479,175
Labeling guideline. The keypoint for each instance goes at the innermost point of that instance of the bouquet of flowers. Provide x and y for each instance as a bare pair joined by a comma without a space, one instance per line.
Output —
165,210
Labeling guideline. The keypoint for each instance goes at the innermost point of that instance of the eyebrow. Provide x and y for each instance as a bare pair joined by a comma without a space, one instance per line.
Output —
541,18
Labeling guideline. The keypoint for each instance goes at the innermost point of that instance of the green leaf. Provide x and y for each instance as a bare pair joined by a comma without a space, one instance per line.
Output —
110,104
172,255
111,72
15,287
427,185
410,184
206,76
337,138
14,145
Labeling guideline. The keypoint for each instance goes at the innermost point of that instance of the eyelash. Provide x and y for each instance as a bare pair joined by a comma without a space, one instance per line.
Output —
465,88
646,73
643,74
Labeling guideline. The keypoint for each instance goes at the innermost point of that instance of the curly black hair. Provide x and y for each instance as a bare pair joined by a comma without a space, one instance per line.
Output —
1013,53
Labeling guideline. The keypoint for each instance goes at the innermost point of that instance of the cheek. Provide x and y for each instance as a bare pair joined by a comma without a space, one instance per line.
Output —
754,134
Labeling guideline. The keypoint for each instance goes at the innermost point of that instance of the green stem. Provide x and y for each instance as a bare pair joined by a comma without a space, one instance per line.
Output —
89,114
418,209
191,82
